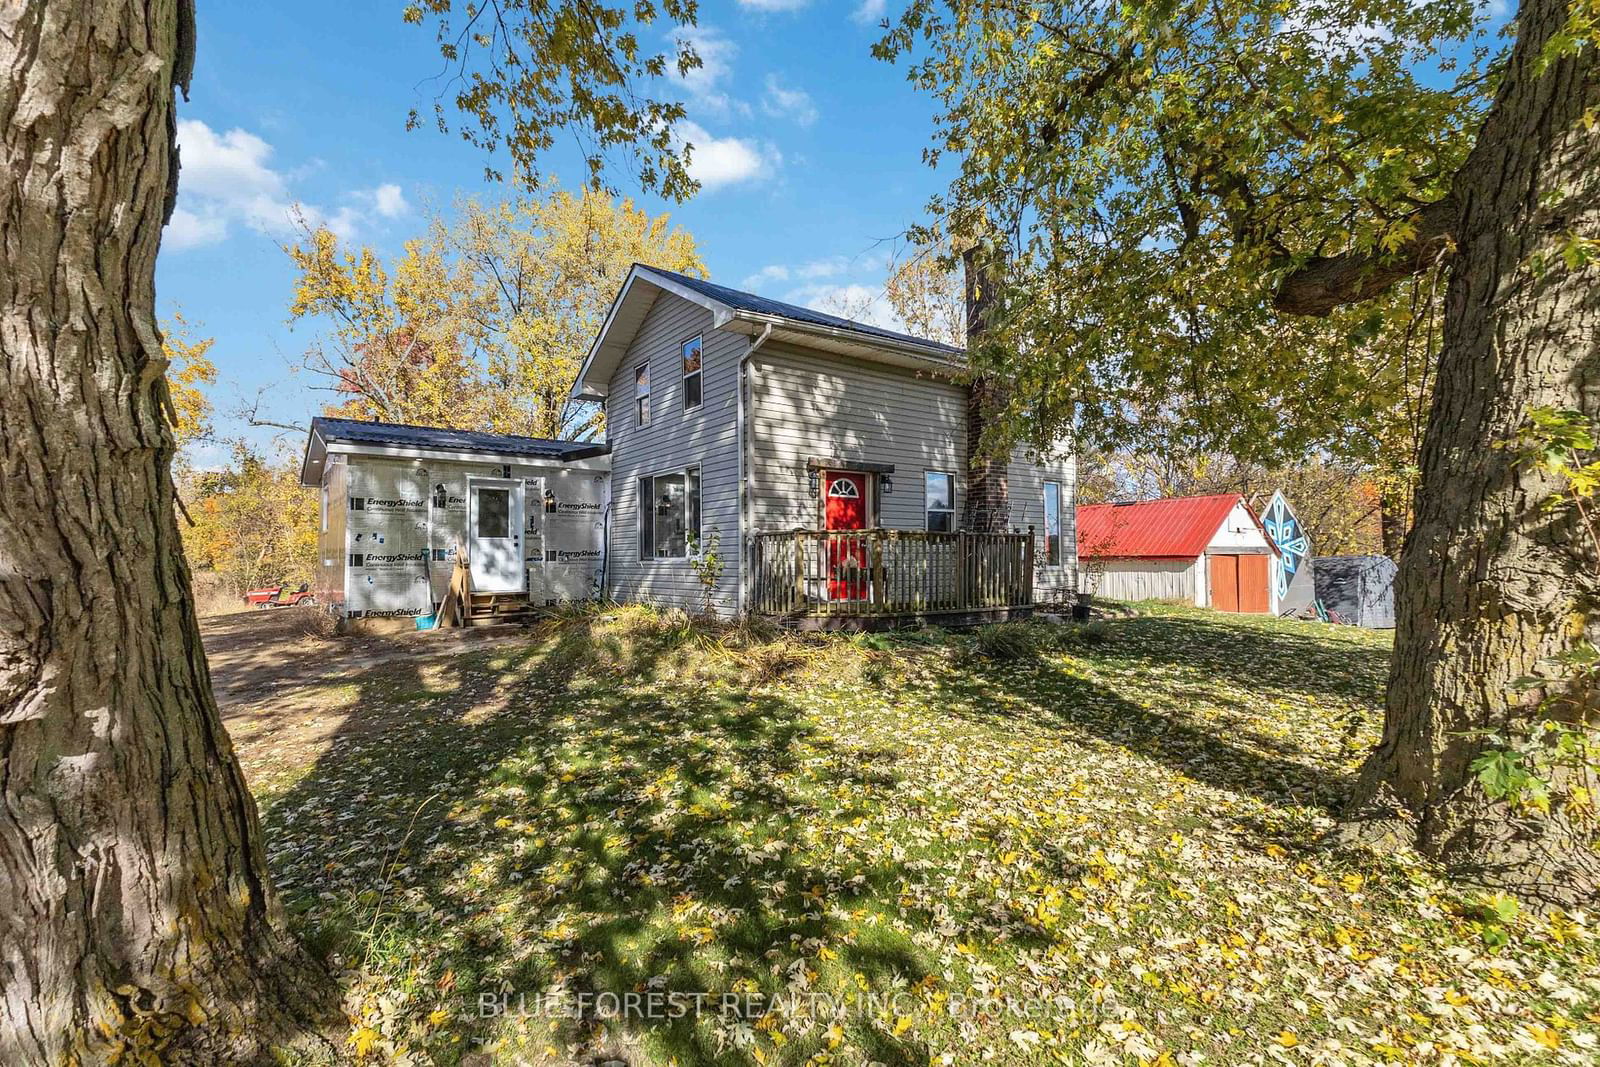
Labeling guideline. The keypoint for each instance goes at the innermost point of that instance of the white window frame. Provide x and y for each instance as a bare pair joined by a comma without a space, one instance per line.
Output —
645,505
641,395
927,512
324,507
698,374
1061,533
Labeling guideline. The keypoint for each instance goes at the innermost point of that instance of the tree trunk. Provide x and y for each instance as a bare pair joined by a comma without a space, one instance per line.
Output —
136,918
987,505
1392,522
1491,582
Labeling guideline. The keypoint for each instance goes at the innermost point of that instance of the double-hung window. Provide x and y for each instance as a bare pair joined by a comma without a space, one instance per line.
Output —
939,496
641,393
1052,523
692,392
669,514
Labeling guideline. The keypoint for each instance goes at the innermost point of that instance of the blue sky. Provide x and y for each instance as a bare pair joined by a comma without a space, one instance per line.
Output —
811,159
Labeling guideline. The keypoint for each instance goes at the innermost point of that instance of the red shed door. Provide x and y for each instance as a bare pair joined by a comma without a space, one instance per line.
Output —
1253,585
1239,583
1224,582
844,507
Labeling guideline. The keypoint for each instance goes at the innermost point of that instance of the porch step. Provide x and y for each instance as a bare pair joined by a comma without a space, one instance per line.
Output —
488,609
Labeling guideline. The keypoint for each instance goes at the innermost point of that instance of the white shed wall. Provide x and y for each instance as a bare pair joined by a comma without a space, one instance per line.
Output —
1239,532
1143,579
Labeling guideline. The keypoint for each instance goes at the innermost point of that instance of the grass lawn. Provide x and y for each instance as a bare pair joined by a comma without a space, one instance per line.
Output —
1104,849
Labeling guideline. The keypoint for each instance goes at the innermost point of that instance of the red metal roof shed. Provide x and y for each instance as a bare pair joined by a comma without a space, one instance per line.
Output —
1176,528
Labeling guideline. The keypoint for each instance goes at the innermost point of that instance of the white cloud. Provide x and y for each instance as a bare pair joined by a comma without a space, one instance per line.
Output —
389,200
720,161
776,272
816,269
705,83
188,230
227,178
859,303
794,104
774,5
871,12
823,268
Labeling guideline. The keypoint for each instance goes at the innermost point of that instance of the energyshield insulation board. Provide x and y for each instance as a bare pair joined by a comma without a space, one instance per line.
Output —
406,520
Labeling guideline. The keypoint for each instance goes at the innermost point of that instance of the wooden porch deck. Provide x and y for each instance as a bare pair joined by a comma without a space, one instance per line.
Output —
818,579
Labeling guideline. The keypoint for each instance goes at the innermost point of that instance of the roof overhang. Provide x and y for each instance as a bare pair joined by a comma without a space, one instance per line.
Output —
844,342
316,454
597,458
644,286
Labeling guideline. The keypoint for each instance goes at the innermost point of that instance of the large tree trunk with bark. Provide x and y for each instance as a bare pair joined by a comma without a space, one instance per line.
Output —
136,918
1491,581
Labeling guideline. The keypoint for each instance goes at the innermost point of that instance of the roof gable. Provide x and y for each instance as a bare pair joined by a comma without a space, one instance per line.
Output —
1175,528
742,312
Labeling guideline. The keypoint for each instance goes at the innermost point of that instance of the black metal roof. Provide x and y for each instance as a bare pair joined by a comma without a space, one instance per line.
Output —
743,301
358,431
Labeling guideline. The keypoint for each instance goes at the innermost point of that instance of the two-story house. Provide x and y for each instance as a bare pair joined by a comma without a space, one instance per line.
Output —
835,464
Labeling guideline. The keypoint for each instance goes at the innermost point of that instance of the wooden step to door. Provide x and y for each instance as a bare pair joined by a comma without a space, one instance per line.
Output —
488,609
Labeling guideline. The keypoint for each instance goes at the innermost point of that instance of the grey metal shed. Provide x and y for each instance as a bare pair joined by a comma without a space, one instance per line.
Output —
1359,588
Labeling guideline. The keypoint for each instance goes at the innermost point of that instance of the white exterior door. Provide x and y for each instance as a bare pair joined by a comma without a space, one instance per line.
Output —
495,523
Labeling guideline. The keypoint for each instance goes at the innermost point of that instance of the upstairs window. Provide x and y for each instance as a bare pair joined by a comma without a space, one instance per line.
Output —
641,393
691,374
939,496
1052,523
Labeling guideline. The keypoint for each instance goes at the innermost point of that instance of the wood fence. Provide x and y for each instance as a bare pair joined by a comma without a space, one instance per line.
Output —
888,572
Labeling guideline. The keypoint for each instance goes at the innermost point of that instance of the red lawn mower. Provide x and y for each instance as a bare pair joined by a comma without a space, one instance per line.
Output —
278,596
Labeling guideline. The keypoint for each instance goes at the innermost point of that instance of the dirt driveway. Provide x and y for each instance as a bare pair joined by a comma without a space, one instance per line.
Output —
285,682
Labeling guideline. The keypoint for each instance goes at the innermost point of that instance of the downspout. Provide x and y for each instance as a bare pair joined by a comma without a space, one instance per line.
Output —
741,385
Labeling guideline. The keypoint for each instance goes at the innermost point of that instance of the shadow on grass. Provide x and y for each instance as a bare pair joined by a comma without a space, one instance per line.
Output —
1226,751
533,823
1284,660
534,816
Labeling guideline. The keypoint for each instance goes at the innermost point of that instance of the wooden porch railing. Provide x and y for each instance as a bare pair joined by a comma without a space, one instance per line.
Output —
889,572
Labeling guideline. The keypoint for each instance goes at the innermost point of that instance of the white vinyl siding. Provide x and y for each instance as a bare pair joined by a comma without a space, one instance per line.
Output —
1025,477
814,405
673,442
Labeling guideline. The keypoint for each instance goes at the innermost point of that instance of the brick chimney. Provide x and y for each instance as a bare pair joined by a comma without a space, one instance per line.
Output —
988,503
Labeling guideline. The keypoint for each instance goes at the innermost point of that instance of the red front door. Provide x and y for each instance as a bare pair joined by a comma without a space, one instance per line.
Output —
844,507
